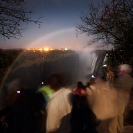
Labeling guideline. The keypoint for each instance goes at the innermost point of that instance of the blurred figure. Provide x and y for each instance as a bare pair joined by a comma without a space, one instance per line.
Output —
59,112
53,83
79,84
58,105
83,120
123,85
102,97
80,90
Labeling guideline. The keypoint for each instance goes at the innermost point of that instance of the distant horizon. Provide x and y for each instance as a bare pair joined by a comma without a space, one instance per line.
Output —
58,25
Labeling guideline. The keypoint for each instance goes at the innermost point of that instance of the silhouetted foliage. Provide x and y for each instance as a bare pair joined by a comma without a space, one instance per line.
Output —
111,23
12,15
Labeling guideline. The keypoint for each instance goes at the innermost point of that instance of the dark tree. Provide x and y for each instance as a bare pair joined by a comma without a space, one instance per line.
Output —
12,15
111,23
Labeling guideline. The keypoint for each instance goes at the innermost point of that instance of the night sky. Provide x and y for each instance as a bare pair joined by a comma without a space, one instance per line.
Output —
59,18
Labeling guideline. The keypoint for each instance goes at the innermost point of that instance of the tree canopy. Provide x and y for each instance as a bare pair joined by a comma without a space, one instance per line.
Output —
12,15
112,24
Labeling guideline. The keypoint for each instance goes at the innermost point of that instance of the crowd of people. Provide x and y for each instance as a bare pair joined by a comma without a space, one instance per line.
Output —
95,107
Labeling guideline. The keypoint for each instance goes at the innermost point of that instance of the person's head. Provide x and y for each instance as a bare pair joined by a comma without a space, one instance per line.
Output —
124,69
79,84
55,81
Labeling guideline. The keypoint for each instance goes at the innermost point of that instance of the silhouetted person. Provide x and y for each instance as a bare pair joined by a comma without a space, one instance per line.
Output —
80,88
101,97
80,84
83,120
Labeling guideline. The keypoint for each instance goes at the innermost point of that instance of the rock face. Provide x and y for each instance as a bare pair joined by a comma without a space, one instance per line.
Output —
33,73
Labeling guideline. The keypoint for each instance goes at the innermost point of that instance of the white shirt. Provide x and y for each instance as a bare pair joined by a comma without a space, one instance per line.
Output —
58,111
